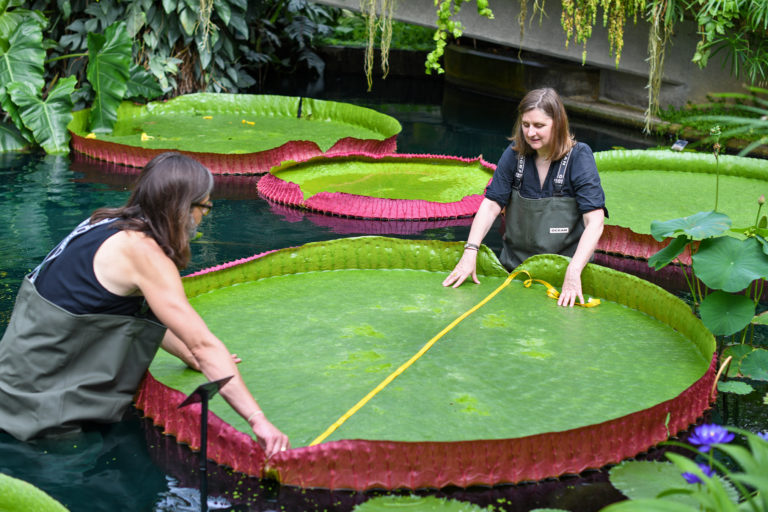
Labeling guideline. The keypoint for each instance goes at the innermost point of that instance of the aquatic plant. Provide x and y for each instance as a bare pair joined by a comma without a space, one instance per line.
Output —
726,278
732,479
40,115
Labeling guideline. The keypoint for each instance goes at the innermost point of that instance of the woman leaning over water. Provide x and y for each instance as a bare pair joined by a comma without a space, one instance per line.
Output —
88,321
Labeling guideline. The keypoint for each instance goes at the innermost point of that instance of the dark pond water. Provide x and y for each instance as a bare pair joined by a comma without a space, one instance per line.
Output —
130,465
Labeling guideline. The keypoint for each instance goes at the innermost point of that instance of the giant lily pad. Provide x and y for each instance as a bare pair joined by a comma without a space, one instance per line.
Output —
237,133
498,398
643,186
391,187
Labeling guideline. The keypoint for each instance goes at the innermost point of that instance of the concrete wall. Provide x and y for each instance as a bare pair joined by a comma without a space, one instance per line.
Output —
683,80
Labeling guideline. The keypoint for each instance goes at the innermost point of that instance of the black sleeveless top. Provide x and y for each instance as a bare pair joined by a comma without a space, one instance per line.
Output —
70,282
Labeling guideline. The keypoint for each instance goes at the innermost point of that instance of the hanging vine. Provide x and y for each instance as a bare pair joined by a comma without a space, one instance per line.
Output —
580,16
376,22
446,10
206,9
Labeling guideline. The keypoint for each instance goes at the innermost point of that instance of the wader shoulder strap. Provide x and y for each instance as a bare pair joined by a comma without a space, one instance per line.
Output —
81,228
559,180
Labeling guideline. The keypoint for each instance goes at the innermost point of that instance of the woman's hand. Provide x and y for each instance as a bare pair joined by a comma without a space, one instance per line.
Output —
571,288
269,437
467,266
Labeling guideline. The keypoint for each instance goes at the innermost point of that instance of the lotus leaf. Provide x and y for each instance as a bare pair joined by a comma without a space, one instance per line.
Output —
320,326
736,387
725,314
668,254
697,226
737,352
755,364
725,263
761,319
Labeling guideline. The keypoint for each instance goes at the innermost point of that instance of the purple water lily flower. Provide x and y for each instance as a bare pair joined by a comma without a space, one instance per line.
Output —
763,435
693,478
704,436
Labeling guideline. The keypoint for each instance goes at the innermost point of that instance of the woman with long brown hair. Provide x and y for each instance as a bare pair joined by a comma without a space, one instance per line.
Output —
548,187
88,321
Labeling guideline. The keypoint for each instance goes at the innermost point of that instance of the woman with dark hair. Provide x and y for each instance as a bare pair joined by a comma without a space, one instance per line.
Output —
88,321
548,187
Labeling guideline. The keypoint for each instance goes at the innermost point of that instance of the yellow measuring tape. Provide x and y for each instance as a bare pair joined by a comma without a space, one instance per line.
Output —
551,292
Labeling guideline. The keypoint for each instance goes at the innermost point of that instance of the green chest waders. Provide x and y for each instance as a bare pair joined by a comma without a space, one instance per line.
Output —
550,225
58,369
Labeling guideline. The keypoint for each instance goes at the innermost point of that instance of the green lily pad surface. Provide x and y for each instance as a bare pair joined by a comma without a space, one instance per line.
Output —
242,123
645,186
314,343
429,179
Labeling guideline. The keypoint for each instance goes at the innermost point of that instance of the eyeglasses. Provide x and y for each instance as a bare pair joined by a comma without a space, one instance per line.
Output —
205,207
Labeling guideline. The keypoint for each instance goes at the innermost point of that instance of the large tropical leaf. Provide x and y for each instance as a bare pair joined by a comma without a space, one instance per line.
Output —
109,64
142,84
699,225
10,19
11,139
22,61
725,313
728,264
47,119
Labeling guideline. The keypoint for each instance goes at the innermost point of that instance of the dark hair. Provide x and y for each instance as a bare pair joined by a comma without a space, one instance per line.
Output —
161,201
548,101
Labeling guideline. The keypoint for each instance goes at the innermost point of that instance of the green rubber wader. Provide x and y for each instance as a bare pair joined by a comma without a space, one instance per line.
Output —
551,225
59,370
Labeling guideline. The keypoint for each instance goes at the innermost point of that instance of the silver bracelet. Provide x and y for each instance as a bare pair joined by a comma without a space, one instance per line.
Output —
471,247
252,416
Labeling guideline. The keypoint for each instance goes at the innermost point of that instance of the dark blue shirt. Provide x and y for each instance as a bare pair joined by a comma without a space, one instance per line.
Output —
581,180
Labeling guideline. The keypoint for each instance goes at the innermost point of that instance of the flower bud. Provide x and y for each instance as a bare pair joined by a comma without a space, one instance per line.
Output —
761,199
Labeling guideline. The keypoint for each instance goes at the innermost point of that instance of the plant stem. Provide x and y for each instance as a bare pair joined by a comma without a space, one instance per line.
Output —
69,56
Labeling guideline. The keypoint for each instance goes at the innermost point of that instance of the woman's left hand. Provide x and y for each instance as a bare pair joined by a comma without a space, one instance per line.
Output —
571,289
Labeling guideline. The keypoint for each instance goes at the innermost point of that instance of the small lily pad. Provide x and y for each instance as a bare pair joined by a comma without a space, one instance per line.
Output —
736,387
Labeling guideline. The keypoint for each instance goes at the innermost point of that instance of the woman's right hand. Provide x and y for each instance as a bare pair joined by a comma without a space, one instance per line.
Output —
269,437
467,266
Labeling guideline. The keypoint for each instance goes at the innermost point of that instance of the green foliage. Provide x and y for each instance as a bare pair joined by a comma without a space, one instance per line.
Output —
738,483
109,60
728,269
351,29
699,225
448,27
142,49
47,119
20,496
